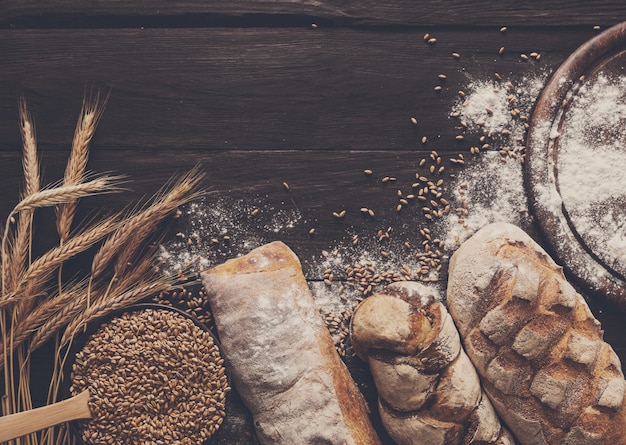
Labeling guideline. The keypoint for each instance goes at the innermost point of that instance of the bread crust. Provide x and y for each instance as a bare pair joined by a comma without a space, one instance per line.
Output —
536,345
428,389
282,357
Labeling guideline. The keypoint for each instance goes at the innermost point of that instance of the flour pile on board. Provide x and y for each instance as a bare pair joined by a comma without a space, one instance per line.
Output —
591,163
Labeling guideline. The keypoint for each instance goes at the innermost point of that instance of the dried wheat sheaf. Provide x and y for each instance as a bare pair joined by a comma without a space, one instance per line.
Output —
37,303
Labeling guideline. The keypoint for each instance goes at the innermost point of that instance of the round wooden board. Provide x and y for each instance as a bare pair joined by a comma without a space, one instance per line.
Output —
579,245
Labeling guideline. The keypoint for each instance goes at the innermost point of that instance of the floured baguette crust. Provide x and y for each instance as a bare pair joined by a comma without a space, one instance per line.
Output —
429,392
281,355
535,343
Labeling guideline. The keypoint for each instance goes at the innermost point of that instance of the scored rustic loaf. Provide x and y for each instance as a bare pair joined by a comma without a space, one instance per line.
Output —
281,355
535,343
429,392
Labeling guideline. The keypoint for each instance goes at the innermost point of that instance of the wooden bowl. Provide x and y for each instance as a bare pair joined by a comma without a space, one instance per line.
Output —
581,251
80,341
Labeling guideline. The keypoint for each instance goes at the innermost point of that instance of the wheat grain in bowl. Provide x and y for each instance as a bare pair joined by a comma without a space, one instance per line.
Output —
154,377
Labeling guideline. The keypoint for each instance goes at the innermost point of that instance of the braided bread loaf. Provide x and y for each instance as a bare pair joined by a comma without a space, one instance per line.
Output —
534,342
429,392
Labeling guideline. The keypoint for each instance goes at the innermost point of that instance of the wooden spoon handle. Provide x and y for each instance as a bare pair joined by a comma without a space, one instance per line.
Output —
26,422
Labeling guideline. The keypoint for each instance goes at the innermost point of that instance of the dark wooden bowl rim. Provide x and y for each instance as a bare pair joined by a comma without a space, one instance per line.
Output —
558,230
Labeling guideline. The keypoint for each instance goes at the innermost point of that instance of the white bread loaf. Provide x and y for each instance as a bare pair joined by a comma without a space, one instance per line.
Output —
535,343
429,392
281,355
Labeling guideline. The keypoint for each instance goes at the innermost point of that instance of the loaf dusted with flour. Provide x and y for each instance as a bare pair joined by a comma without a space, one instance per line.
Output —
281,355
536,345
429,392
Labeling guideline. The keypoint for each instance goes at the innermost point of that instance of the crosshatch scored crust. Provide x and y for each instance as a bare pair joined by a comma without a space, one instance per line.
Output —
535,343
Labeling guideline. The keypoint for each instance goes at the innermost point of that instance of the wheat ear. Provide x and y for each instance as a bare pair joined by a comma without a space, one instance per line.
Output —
88,119
136,228
50,327
181,193
49,197
21,245
48,309
65,193
73,301
19,249
102,308
46,320
15,261
30,161
43,267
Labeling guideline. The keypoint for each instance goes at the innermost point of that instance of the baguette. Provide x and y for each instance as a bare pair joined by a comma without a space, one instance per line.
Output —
429,392
535,343
281,355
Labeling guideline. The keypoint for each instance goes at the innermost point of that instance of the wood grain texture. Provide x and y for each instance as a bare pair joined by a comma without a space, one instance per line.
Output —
320,183
261,88
24,423
257,96
351,13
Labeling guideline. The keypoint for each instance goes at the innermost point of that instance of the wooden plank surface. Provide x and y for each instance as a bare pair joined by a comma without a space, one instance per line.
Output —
260,98
350,13
262,88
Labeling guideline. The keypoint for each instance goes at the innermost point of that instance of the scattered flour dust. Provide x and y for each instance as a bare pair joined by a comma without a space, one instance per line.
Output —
220,228
500,108
489,190
591,163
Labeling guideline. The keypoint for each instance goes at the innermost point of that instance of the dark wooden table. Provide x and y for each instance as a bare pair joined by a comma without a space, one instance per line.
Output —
264,94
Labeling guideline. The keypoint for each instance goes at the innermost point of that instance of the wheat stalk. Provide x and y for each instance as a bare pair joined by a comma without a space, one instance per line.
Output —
136,228
90,114
50,197
119,301
43,267
26,321
72,302
67,302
